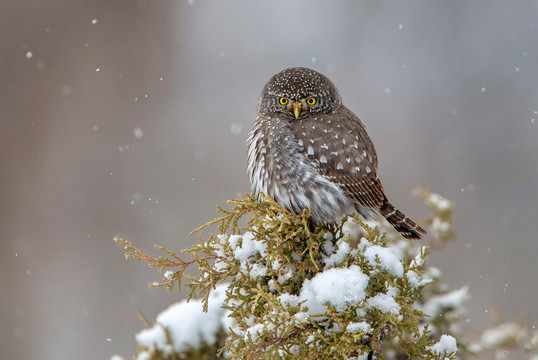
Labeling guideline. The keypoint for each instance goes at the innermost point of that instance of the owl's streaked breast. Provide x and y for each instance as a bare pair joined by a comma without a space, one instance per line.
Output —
278,166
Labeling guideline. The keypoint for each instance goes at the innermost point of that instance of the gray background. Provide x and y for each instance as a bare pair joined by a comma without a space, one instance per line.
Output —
448,91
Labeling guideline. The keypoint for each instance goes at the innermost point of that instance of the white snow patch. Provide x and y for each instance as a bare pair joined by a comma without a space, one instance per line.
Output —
445,346
415,280
295,349
337,257
144,355
453,299
154,338
355,327
249,246
244,248
187,324
302,316
254,331
419,260
288,299
328,246
434,272
361,313
508,333
384,257
333,329
233,240
220,266
384,303
258,270
277,264
439,202
440,226
339,287
287,274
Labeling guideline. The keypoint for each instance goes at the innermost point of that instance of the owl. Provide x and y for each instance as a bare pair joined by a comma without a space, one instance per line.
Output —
307,150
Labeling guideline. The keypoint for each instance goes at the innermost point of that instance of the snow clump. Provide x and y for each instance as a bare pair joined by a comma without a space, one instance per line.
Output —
186,324
445,346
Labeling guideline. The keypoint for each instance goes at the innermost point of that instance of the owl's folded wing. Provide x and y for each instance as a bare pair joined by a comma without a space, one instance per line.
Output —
343,155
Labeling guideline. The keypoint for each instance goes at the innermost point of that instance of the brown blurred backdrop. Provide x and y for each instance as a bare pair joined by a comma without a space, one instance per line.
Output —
129,118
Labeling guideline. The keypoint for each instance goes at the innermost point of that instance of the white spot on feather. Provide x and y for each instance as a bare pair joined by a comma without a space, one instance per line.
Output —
368,170
323,159
339,166
310,150
300,142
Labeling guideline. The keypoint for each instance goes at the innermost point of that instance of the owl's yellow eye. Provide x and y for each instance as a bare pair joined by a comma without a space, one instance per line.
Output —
283,101
311,101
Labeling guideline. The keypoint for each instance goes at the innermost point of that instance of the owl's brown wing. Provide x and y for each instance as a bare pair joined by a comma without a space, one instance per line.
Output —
338,145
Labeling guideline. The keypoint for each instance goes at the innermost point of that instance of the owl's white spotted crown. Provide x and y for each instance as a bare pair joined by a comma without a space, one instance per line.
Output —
297,84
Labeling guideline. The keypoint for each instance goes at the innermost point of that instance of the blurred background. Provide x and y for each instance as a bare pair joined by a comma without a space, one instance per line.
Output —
130,117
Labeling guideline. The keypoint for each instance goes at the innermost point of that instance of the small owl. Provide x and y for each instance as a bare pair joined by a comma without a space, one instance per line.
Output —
307,150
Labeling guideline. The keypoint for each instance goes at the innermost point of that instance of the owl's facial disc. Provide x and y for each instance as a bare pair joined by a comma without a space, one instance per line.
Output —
296,107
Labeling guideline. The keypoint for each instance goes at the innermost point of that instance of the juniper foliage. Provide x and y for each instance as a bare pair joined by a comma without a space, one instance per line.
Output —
268,264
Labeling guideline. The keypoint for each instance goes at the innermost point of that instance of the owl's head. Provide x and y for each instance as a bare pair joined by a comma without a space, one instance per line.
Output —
298,92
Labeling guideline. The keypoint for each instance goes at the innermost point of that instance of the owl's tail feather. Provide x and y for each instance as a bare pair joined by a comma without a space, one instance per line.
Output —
405,226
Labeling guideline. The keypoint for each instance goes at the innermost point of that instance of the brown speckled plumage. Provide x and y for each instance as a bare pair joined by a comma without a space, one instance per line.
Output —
320,157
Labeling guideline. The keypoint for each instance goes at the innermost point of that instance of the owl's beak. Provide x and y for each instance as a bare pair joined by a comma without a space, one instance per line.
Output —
296,107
